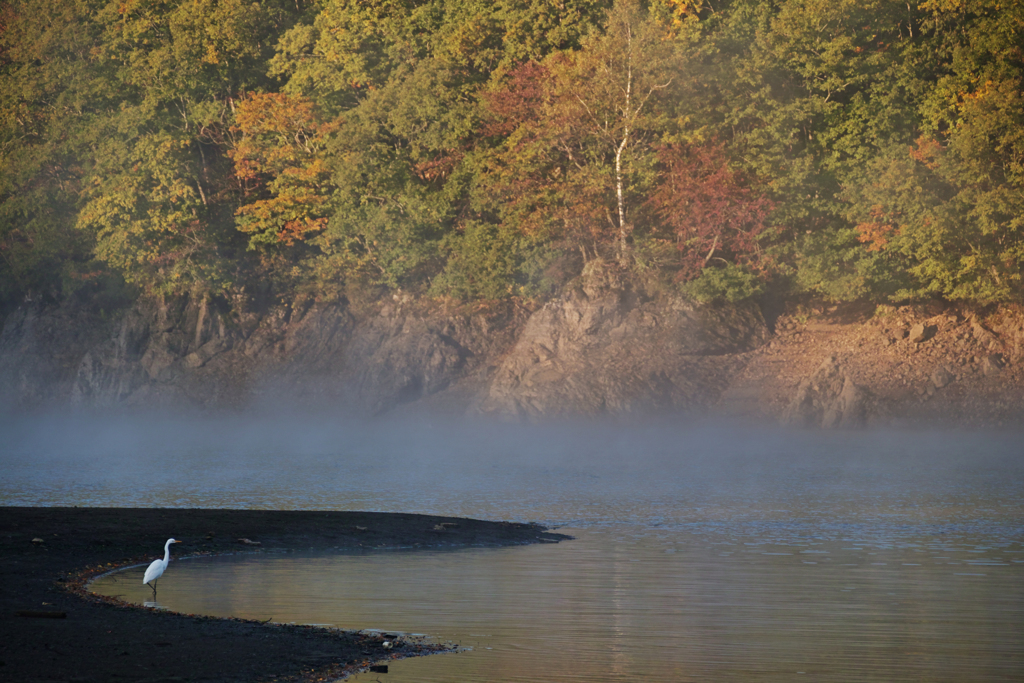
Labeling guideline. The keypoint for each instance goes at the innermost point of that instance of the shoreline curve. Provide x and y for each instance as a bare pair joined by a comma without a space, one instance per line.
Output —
103,638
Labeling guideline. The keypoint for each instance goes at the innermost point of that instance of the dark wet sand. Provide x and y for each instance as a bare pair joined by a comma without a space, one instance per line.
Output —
108,641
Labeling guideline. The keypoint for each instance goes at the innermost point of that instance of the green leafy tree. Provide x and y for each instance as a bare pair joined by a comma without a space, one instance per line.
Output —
402,82
812,92
52,91
856,149
160,195
946,210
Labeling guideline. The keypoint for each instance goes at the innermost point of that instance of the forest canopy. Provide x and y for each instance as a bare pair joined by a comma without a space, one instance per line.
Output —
481,150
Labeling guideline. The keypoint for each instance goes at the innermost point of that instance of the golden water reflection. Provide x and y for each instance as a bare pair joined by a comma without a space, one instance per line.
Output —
621,604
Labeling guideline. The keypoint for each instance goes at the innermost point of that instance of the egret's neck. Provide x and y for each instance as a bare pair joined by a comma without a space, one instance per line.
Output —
167,552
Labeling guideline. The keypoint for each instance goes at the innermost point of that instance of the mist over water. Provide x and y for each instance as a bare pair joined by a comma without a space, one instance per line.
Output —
750,553
498,470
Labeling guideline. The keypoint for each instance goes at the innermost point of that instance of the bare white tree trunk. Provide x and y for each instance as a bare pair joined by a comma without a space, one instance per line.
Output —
630,114
627,115
630,92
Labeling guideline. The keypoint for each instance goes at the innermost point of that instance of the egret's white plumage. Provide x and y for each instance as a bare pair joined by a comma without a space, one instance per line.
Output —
156,570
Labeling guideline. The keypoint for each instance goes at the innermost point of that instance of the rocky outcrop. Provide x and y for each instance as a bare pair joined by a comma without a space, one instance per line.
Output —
158,353
828,399
197,353
600,348
966,372
41,351
110,371
400,354
604,349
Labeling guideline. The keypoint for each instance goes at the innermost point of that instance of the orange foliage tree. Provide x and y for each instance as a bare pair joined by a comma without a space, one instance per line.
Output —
280,163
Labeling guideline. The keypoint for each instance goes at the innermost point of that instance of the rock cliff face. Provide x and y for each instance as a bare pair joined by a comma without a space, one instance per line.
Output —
398,355
829,398
190,353
41,352
602,348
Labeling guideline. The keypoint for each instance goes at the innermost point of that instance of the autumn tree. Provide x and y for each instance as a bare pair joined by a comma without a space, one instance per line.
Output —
613,85
116,123
481,149
714,215
947,209
580,157
53,91
280,164
402,80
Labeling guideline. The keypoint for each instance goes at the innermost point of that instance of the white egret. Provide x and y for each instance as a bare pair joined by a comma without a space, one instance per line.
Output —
156,570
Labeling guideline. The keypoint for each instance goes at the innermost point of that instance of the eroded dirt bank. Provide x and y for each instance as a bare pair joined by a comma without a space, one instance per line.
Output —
104,641
867,366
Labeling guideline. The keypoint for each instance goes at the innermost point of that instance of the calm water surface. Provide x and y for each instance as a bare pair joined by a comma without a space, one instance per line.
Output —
701,552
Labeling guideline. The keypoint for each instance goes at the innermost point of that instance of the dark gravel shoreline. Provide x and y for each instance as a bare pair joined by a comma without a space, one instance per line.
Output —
104,640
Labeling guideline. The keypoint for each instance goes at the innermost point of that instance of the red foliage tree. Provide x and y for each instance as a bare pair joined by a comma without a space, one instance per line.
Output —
712,211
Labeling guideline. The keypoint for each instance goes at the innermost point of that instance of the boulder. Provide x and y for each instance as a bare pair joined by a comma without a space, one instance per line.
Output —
983,336
942,377
992,364
828,399
921,333
204,353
